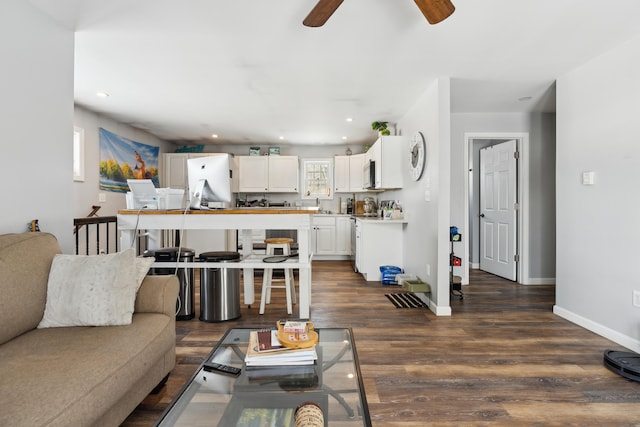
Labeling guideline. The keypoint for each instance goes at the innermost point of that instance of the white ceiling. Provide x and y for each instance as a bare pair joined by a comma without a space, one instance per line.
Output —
249,71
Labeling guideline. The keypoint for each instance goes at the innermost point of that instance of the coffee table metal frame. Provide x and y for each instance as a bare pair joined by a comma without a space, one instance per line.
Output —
335,383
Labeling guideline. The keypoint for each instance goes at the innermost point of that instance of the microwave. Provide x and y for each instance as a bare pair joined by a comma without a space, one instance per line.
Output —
369,175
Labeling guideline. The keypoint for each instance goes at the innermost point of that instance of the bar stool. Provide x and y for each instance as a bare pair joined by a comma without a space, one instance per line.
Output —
273,244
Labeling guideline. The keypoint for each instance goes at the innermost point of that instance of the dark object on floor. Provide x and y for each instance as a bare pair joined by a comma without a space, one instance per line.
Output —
279,258
406,300
623,363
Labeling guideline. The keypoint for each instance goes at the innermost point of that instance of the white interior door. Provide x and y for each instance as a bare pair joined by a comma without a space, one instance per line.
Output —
498,209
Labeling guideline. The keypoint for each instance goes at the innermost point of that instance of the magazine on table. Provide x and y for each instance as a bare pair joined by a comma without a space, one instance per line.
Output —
275,354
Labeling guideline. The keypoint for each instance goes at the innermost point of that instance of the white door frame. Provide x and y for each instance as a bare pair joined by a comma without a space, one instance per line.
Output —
523,196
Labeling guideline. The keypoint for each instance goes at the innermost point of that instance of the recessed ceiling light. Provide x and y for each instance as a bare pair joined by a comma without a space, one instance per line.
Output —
215,135
281,138
349,119
344,138
102,94
525,98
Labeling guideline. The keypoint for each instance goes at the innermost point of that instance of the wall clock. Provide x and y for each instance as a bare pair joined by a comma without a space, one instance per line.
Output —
417,156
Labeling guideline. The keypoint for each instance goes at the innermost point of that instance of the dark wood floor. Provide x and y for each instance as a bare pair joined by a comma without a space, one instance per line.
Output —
502,358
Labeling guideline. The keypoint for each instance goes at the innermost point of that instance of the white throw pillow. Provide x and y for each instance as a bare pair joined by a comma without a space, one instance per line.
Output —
93,290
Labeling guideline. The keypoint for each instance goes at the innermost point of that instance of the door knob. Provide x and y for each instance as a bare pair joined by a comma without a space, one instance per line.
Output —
481,215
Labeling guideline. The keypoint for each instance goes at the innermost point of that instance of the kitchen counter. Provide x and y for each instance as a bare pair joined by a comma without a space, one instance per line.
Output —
331,214
258,210
377,219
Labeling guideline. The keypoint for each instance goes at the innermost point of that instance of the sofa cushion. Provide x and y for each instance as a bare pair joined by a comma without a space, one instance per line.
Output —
69,376
93,290
25,261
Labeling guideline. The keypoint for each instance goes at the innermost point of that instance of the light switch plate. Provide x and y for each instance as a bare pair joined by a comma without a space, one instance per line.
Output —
588,178
636,298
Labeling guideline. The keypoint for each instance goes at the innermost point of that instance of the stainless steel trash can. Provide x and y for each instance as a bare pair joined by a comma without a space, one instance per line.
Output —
219,288
185,306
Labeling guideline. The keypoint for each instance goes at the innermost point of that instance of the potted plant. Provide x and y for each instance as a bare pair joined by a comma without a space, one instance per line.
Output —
381,127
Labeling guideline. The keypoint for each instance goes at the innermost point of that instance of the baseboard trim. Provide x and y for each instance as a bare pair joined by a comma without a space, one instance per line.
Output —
539,281
608,333
437,310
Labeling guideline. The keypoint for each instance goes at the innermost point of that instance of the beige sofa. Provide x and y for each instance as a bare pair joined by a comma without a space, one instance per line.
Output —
75,376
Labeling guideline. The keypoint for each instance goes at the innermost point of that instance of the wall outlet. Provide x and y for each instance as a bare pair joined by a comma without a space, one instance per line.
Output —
636,298
428,269
102,197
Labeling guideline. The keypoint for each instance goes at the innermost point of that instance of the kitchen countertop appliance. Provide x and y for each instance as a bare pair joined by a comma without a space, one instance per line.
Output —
370,208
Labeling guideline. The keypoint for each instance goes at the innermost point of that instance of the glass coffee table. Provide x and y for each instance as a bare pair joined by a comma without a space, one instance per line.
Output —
269,396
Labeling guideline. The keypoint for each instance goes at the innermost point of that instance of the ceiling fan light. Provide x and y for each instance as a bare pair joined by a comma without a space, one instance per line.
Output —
435,10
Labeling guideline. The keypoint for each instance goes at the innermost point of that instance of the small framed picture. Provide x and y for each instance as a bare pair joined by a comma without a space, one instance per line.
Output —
254,151
274,151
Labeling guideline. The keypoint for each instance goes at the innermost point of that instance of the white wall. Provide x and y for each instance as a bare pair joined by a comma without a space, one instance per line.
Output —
36,124
86,192
426,236
597,226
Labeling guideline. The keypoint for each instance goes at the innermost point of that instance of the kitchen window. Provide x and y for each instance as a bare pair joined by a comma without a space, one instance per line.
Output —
317,176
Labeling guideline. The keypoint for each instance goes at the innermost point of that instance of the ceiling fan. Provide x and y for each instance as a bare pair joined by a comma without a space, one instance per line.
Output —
434,10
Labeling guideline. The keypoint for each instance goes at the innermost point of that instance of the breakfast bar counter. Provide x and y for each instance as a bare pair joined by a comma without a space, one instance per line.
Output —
245,219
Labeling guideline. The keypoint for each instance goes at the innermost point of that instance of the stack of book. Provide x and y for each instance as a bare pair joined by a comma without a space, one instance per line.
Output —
266,350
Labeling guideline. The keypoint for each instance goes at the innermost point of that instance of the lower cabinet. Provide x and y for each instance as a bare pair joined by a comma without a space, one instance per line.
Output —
331,236
378,242
343,235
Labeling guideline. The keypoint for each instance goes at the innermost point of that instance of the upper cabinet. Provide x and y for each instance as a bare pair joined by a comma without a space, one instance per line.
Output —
271,174
253,174
348,173
283,174
341,174
175,170
387,155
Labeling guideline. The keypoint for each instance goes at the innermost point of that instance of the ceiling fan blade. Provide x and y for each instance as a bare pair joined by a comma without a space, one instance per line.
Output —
435,10
321,13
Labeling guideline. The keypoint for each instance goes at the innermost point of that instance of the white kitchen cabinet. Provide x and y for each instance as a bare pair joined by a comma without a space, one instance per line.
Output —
235,185
323,231
331,236
253,174
175,170
387,153
268,174
356,168
283,174
348,173
341,174
378,242
343,235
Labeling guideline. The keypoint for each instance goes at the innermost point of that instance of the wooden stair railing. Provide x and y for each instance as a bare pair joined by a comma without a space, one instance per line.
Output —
92,219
